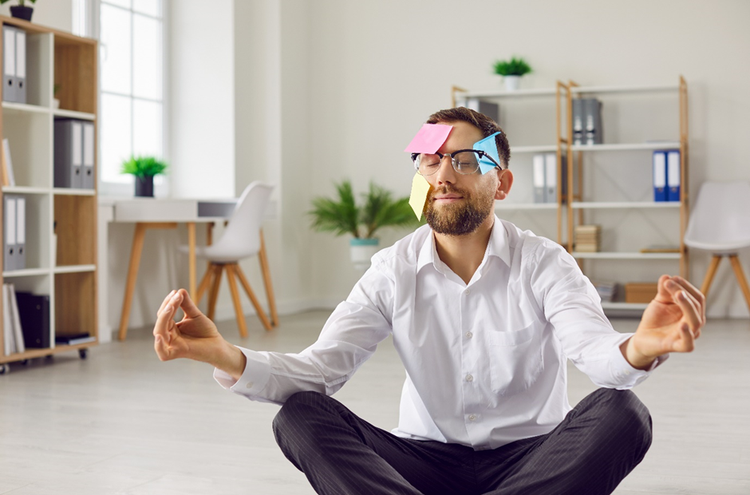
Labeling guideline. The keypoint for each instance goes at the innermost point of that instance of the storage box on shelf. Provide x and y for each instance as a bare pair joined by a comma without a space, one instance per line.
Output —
60,227
609,184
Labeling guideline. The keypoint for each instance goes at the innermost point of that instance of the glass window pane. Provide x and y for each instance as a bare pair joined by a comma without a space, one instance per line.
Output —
116,136
147,128
121,3
115,51
147,50
149,7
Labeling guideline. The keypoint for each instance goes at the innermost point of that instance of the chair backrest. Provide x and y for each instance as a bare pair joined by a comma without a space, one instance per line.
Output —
242,234
720,220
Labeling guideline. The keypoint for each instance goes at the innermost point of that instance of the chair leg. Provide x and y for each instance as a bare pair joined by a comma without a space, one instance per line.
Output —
253,299
740,277
236,299
710,274
214,291
205,282
263,258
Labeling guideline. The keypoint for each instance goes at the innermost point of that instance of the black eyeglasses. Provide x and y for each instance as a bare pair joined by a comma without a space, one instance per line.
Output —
464,162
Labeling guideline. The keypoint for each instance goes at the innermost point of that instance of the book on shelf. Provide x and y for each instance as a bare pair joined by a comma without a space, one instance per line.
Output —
607,290
12,331
9,178
79,338
587,238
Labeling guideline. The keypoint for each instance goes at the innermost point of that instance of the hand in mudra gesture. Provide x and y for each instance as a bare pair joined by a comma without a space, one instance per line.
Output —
670,323
194,337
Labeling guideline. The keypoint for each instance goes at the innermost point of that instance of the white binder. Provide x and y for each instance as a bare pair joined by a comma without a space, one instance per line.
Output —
9,63
88,156
538,179
9,234
20,262
550,172
15,319
77,158
20,66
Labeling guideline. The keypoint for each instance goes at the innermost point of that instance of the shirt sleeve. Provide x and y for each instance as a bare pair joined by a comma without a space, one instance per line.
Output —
573,308
348,339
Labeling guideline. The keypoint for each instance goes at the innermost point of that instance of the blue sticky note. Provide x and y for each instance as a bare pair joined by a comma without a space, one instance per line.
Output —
489,146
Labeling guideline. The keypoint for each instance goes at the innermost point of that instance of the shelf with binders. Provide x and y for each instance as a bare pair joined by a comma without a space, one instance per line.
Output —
30,240
37,339
74,231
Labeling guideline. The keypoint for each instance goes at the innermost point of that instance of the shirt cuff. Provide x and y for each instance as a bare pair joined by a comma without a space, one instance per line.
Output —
254,378
624,373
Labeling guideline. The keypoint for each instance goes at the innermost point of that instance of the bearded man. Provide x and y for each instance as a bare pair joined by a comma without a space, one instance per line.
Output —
484,317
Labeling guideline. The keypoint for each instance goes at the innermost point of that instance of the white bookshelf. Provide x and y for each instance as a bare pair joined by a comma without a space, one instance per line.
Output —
68,273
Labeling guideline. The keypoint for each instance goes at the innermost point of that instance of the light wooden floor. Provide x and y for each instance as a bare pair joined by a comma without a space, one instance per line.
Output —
122,422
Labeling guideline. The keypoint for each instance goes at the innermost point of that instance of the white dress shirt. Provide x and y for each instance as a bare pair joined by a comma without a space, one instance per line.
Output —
485,361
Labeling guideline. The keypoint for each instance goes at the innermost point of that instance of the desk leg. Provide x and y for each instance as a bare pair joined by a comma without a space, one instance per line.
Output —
135,261
191,261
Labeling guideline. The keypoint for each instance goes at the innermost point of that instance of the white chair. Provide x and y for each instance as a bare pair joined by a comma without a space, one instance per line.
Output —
720,223
241,239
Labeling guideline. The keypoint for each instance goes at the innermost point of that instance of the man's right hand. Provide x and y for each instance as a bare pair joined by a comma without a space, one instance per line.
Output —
194,337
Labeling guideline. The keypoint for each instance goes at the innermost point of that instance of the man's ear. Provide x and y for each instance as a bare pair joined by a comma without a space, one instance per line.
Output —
504,183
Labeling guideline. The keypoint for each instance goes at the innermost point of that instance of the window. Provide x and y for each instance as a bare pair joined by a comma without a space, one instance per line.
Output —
132,102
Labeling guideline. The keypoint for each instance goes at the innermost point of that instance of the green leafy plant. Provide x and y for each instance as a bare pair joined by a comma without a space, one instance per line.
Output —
56,88
342,215
143,166
513,67
20,2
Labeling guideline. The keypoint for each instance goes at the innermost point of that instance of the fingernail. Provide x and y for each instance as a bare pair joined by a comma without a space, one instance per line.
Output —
683,296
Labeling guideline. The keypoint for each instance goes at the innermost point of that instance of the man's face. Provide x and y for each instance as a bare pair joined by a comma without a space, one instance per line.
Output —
458,204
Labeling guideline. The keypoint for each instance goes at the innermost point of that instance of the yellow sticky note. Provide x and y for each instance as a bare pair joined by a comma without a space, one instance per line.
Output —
419,190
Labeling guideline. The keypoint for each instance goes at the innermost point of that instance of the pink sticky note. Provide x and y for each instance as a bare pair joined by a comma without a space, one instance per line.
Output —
429,139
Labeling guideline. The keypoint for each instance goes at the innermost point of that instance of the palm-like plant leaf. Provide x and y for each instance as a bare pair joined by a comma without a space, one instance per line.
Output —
339,216
381,210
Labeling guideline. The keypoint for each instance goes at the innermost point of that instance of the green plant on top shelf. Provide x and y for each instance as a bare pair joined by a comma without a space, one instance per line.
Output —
513,67
342,215
143,166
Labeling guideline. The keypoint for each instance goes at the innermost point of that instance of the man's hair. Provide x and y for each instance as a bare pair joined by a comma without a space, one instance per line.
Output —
481,122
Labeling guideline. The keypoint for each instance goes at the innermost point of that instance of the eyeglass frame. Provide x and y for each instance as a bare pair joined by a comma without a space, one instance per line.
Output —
482,154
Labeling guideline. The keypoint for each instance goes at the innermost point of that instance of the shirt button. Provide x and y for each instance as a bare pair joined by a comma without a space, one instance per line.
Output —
467,291
472,417
469,335
249,385
469,378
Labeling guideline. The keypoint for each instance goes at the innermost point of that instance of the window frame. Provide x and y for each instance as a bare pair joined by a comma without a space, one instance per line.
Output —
162,182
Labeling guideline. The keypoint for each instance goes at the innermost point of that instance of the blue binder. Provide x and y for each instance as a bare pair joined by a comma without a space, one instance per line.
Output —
673,175
660,175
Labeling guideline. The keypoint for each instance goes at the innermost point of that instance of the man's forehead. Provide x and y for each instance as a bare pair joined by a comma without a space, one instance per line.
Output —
463,136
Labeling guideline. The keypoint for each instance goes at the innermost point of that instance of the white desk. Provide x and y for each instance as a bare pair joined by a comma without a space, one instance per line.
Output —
150,213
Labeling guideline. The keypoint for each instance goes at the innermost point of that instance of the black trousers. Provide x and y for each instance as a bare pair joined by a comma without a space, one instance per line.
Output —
597,444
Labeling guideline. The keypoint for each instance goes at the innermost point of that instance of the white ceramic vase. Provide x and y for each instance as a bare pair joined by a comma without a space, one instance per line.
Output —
511,82
361,250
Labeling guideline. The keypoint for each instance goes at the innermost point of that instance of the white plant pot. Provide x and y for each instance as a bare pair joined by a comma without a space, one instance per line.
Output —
56,104
361,250
512,82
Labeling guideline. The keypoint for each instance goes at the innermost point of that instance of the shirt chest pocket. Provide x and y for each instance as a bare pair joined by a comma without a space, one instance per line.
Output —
515,360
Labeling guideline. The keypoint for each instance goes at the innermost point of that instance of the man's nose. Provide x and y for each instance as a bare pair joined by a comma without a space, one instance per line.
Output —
445,173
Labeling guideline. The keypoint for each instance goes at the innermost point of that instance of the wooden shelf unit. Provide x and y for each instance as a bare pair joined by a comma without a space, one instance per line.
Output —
67,275
573,207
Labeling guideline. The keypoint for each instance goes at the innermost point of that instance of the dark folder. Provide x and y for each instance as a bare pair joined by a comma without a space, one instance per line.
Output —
34,312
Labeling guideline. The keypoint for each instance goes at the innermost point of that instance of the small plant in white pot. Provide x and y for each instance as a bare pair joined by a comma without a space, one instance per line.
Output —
342,216
512,70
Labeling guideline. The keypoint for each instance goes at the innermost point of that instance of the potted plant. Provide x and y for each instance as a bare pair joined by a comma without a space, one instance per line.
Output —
343,216
144,168
21,11
55,100
512,70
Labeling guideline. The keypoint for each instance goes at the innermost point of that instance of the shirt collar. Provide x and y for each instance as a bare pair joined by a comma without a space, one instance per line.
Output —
498,247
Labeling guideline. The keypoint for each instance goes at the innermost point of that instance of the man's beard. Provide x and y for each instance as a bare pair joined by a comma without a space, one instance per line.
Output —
460,218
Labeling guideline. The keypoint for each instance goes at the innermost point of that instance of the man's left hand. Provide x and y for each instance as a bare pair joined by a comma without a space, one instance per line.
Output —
671,323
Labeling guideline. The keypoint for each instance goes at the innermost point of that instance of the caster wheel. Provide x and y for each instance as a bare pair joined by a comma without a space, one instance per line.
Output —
25,362
4,369
82,353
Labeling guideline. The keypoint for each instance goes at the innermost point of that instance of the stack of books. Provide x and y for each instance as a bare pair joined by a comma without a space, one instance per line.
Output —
587,238
607,290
